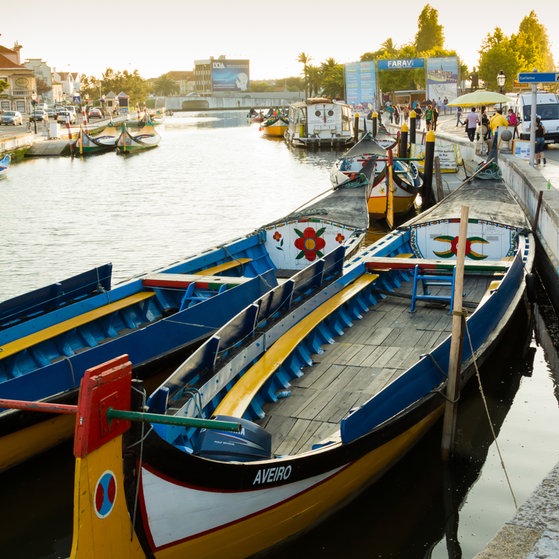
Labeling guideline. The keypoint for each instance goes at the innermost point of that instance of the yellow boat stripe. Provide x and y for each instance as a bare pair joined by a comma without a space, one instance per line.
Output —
223,267
50,332
239,397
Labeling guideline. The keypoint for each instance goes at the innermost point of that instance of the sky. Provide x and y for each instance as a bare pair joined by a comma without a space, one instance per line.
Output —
155,37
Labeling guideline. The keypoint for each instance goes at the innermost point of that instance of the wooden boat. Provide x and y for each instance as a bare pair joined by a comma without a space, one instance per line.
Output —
145,138
407,180
325,393
274,127
50,336
86,144
320,122
5,164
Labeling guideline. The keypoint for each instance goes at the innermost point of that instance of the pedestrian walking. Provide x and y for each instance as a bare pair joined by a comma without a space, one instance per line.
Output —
459,117
472,120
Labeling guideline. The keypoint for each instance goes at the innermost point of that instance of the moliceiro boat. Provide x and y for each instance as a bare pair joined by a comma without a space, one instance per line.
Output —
145,138
314,397
407,181
86,144
50,336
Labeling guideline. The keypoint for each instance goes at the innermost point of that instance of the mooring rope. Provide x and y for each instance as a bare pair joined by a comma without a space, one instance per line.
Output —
489,419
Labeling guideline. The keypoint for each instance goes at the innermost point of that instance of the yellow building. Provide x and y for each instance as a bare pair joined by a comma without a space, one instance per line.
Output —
21,88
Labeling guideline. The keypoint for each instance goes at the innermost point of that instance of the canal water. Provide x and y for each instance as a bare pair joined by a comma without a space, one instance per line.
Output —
213,178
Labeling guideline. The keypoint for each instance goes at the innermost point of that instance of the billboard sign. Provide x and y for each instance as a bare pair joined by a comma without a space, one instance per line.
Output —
442,79
402,64
230,75
360,84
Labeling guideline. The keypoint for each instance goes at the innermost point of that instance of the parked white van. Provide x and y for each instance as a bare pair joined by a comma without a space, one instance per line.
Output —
547,108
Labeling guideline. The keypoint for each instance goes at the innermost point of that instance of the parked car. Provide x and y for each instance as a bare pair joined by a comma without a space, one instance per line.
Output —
64,115
39,115
51,113
95,113
12,117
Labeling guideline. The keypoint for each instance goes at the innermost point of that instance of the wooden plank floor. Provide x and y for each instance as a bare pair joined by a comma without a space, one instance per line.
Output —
368,356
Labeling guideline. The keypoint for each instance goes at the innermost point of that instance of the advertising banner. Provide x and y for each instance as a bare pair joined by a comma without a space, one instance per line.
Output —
361,85
442,79
230,75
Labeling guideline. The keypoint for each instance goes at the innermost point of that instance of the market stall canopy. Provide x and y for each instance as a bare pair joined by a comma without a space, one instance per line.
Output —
479,98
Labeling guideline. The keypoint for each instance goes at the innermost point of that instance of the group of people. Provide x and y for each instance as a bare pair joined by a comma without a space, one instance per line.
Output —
427,111
488,125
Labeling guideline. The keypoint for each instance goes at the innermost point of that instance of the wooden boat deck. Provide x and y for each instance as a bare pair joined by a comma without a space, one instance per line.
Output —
368,356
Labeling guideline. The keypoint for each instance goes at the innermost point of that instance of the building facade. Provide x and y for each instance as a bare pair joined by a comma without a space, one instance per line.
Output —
22,88
220,74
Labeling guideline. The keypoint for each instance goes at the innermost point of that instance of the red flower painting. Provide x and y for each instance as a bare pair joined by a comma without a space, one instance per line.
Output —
310,243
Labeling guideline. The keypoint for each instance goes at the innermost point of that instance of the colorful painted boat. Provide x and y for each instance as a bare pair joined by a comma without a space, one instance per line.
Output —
407,181
145,138
274,127
325,393
5,164
50,336
86,144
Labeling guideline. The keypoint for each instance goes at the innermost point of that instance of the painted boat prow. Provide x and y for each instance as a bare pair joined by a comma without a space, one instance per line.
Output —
102,526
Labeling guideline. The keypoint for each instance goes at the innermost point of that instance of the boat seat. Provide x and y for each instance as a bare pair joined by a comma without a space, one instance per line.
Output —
182,281
35,338
432,280
240,396
229,265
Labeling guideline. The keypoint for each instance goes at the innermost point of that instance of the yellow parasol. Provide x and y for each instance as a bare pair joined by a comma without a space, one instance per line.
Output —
479,98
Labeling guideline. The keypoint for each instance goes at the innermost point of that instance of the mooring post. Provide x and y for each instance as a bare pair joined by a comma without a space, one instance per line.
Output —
455,357
375,124
403,146
413,116
356,128
427,194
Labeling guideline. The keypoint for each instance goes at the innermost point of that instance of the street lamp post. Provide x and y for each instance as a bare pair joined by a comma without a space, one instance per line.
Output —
501,80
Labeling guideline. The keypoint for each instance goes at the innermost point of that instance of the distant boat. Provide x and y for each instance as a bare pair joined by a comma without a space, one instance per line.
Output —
145,138
274,127
407,180
4,165
86,144
320,122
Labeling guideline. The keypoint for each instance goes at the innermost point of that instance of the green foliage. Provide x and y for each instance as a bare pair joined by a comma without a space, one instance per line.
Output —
165,85
525,51
130,83
4,85
429,32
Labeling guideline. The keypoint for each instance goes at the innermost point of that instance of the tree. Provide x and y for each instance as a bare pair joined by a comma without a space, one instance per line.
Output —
305,59
4,85
165,86
41,87
130,83
496,54
429,32
332,79
532,44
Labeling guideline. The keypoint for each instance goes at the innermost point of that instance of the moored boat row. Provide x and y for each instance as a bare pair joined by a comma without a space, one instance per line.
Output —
325,396
50,336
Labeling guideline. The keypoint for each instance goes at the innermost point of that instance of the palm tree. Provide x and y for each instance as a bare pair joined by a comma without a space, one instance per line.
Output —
304,59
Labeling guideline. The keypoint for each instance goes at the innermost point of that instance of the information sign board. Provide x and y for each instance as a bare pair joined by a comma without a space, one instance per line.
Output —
538,77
